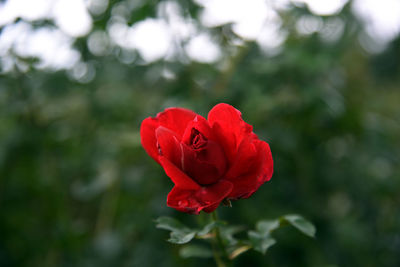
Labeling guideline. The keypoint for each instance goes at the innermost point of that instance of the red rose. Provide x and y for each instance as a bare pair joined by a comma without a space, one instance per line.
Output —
207,160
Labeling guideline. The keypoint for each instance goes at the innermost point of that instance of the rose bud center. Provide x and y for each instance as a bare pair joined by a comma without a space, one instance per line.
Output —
204,160
198,140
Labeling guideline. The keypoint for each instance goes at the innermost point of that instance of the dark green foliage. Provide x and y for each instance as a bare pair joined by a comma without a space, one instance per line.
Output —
181,234
77,189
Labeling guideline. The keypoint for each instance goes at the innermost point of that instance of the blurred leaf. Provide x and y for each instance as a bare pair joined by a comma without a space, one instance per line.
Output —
171,224
300,223
267,226
181,237
228,232
195,251
209,227
180,234
261,239
261,242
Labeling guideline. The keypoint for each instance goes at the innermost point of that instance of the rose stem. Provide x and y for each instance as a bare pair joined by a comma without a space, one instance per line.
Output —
221,257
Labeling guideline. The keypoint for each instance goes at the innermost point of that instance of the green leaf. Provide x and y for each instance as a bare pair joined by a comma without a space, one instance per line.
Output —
300,223
171,224
228,232
181,237
209,227
261,242
267,226
195,251
261,239
180,234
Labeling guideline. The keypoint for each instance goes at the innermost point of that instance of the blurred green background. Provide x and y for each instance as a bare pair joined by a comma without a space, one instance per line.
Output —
77,189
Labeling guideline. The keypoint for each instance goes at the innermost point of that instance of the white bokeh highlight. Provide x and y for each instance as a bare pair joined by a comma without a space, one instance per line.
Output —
51,46
255,20
203,49
151,38
25,9
72,17
172,35
382,18
247,17
323,7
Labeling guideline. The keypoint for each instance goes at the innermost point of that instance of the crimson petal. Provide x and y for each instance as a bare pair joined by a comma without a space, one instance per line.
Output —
176,119
201,124
179,178
246,184
170,147
205,198
267,165
244,159
148,137
229,127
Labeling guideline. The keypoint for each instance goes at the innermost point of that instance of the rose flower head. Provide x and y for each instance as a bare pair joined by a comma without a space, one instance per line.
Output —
207,160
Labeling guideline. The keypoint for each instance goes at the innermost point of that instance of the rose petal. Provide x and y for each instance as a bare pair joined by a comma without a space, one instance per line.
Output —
193,201
244,160
148,137
170,147
229,127
267,165
261,171
244,186
211,208
200,124
176,119
179,178
203,172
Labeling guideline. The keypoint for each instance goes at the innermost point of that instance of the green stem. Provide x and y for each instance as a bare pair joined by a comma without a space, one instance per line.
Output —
220,255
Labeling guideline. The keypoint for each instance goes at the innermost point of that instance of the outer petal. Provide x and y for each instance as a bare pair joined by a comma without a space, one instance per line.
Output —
259,172
211,208
169,146
229,127
179,178
175,119
244,160
148,137
267,165
205,198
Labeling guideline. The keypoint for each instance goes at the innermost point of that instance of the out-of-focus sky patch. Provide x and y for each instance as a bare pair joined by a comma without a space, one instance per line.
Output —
254,20
50,45
382,18
53,46
28,10
71,16
97,7
202,49
151,37
151,47
172,35
323,7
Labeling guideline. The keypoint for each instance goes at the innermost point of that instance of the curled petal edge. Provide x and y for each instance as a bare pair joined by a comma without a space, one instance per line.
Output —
193,201
178,177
